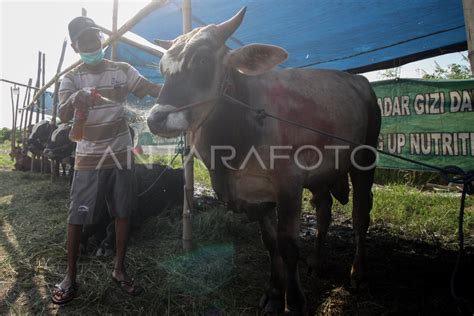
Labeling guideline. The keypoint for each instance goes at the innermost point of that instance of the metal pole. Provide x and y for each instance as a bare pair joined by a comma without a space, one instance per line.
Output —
84,12
113,53
469,22
189,159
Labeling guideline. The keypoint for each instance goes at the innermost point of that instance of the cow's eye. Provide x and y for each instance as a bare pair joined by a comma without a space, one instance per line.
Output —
203,61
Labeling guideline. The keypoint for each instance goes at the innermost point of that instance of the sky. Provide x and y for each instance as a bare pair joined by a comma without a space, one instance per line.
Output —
27,27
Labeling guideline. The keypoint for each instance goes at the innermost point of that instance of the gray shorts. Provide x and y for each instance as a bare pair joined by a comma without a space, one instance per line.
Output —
93,191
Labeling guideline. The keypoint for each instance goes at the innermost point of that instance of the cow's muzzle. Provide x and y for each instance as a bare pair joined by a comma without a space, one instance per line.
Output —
164,120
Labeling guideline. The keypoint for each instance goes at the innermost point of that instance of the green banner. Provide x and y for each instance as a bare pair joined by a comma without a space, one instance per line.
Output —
427,121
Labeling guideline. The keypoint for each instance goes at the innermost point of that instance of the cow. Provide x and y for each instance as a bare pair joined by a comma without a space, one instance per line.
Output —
37,141
153,196
218,95
22,160
60,149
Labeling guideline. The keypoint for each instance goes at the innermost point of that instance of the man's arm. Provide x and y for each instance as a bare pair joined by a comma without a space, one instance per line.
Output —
66,90
140,86
71,98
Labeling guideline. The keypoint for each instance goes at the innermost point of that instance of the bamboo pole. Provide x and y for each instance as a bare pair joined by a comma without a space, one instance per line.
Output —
19,84
189,161
12,137
56,85
122,30
16,118
469,22
113,53
38,83
43,97
23,112
153,49
27,113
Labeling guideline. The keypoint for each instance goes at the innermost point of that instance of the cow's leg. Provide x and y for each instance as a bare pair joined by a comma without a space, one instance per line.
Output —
289,211
273,300
322,201
362,204
107,246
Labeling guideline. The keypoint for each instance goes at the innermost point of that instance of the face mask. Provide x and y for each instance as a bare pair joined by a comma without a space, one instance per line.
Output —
92,58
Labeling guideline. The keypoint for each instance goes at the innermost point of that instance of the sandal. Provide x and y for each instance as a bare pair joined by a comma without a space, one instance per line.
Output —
128,286
65,294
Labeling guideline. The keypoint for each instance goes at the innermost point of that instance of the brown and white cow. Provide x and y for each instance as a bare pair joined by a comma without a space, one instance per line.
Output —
244,153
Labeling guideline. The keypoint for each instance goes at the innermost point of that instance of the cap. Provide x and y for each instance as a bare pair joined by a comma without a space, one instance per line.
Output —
79,25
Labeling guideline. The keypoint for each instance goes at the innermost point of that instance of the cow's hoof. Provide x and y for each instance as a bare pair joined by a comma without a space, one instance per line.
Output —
272,304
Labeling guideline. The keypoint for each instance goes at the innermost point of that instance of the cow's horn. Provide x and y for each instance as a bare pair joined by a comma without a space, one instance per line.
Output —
227,28
166,44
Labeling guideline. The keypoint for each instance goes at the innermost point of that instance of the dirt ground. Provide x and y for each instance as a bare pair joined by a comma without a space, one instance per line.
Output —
225,274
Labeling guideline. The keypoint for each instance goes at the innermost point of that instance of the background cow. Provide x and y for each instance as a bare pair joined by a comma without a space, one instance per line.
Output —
37,141
60,149
198,67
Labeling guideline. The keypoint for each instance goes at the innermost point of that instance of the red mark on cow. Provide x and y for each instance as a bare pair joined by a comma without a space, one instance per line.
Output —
293,106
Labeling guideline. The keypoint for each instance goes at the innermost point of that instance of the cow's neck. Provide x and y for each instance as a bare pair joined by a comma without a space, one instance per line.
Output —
230,125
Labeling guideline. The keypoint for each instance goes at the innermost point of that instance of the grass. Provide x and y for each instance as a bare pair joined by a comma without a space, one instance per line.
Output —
5,162
226,272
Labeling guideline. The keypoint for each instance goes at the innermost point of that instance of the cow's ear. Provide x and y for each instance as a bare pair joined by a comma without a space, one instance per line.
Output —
255,59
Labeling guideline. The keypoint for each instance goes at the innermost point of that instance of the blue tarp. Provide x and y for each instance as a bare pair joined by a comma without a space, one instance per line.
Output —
350,35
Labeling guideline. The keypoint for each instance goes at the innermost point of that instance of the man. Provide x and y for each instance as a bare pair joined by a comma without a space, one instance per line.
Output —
101,170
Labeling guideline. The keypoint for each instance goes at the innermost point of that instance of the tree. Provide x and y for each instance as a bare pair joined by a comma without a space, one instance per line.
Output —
391,73
452,71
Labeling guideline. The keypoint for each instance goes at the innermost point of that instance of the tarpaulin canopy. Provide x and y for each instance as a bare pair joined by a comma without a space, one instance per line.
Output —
350,35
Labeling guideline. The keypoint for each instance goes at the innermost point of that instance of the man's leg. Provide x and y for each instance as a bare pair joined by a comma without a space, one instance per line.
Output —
73,240
119,274
121,237
121,205
66,290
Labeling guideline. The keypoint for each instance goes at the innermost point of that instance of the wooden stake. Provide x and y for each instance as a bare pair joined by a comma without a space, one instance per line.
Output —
189,159
27,113
43,97
16,118
56,85
13,123
113,53
152,6
38,83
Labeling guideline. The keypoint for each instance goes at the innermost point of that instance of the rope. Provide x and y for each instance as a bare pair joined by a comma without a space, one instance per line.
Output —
179,151
452,174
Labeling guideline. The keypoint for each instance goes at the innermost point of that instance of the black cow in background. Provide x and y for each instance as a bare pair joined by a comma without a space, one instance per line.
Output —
61,149
37,141
151,199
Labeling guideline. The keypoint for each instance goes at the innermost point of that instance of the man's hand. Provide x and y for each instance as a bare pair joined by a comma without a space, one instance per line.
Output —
82,100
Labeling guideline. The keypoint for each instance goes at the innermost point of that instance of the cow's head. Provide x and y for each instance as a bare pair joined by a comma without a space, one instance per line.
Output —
59,145
39,136
194,67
